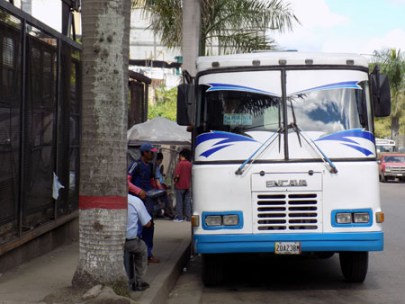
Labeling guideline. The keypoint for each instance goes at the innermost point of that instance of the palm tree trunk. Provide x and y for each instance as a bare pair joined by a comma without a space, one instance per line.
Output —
191,33
395,125
103,187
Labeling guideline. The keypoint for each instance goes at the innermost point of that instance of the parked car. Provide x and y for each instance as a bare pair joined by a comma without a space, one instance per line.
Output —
391,166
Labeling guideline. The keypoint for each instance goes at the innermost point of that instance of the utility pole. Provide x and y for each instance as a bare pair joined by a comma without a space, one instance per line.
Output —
191,34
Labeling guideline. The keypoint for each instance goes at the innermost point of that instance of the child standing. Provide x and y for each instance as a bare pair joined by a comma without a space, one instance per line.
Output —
182,179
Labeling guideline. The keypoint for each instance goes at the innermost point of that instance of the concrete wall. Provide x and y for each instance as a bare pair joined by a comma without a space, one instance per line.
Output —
48,241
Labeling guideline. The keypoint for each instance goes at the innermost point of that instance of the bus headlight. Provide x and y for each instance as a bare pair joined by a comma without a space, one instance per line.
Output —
231,220
352,218
343,218
213,220
361,217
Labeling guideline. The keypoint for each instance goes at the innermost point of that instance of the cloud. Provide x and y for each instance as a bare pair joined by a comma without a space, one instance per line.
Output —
315,18
316,13
363,45
400,2
393,39
324,30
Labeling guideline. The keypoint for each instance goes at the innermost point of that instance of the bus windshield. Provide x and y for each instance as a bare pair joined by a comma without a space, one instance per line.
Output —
239,112
327,111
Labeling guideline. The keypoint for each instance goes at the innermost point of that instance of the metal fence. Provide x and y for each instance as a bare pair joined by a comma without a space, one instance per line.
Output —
40,108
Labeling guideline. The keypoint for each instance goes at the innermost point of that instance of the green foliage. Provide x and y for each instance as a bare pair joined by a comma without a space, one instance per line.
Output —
165,104
9,19
392,63
382,127
234,25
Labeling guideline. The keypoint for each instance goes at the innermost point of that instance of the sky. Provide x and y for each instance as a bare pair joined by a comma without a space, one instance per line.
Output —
48,11
353,26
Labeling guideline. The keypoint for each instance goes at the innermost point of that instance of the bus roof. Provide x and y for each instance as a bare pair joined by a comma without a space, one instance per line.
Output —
280,58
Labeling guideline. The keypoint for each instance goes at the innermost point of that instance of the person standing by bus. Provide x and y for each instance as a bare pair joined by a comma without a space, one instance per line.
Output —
182,179
140,181
135,250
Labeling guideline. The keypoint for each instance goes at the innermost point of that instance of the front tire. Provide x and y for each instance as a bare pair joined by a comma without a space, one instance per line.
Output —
325,254
213,270
354,266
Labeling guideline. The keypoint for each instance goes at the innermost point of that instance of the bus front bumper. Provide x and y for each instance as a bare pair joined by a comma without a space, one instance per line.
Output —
317,242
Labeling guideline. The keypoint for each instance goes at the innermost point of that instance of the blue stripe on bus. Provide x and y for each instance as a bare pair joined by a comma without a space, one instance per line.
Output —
232,243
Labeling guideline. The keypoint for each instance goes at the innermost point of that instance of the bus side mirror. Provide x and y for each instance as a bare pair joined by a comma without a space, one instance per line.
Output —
381,95
185,103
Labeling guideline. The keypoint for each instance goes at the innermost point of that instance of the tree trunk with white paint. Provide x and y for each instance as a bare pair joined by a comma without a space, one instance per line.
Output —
103,185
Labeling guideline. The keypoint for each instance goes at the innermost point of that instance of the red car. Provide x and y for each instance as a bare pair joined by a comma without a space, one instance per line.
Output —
391,166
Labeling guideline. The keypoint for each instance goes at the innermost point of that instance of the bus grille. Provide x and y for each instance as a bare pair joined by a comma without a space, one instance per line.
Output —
287,212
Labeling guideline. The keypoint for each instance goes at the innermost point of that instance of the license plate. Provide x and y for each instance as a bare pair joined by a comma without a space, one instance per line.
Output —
287,248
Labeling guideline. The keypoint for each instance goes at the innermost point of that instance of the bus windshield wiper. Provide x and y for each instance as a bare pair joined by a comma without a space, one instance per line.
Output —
294,125
256,153
329,164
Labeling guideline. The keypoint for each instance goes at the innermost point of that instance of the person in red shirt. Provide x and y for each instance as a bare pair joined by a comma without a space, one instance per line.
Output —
182,179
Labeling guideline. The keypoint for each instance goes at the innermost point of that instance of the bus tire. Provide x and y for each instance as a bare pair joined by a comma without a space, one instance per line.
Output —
212,270
325,254
354,266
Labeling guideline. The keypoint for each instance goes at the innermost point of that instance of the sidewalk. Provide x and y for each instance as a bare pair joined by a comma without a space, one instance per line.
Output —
33,281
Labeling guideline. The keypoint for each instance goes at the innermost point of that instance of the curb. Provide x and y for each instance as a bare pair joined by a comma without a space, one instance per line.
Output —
167,277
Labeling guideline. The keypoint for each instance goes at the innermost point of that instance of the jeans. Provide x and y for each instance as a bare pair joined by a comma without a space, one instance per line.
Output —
135,255
183,204
148,232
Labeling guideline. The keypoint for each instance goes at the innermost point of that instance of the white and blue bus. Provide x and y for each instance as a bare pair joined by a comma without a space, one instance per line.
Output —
285,157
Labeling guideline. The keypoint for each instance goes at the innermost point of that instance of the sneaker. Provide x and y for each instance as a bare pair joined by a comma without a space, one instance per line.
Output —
178,220
141,286
168,216
153,259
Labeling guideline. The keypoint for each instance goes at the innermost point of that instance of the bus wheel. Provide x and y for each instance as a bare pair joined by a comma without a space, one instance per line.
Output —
212,269
354,265
325,254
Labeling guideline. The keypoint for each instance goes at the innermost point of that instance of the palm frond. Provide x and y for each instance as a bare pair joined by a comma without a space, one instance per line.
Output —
233,23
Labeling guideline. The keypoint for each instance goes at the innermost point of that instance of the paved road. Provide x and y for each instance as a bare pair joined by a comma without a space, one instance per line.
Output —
298,280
